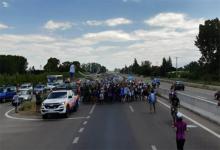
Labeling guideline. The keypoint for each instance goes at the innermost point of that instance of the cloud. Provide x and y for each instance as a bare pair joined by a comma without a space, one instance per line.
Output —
3,26
125,1
109,22
112,48
174,21
52,25
111,35
5,4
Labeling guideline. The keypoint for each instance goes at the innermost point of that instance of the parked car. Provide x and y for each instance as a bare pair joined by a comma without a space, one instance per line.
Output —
178,85
51,86
26,86
60,102
40,88
217,95
7,93
25,95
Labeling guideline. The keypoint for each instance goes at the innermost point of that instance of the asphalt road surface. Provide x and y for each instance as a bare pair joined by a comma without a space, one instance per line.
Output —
195,92
116,126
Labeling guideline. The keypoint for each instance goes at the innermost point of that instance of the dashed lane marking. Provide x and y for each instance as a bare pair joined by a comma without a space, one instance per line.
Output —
92,109
191,126
75,140
81,130
153,147
131,108
195,122
85,122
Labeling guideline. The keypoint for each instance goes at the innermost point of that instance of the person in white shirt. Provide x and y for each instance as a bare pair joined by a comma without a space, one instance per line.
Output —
72,72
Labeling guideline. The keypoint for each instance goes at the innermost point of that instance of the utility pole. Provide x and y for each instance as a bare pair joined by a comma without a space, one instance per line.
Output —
176,65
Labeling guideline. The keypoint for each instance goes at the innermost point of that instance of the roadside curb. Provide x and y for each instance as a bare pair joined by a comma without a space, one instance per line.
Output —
206,117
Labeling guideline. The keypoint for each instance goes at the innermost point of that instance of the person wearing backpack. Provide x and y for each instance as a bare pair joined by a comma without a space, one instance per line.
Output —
152,100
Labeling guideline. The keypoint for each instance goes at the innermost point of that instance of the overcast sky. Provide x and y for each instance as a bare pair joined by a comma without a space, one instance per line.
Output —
110,32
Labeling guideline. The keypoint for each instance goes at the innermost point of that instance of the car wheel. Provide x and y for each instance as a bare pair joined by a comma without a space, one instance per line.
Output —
44,116
66,115
75,108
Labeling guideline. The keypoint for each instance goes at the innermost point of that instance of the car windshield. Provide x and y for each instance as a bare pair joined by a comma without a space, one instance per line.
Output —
56,95
24,86
39,86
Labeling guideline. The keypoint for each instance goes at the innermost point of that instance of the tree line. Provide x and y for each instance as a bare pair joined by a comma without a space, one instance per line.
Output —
18,65
206,68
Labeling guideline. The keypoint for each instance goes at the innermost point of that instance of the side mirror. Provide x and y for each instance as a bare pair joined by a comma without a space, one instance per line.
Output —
70,97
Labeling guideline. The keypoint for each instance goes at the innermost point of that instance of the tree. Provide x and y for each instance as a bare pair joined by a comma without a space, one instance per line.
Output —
208,42
135,67
12,64
166,66
52,65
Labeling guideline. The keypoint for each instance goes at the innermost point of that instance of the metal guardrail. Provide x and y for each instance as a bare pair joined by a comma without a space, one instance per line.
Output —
205,108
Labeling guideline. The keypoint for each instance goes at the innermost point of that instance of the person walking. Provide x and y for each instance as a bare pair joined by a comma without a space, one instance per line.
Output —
181,128
152,100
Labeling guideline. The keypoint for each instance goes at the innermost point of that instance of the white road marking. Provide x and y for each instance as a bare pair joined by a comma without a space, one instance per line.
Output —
131,108
76,140
195,122
76,118
35,119
88,117
85,122
81,130
199,98
191,126
202,97
92,109
153,147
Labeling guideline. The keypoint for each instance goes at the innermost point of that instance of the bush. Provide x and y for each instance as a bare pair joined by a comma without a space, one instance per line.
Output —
26,106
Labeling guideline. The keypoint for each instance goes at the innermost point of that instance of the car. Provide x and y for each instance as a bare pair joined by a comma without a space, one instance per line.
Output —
60,102
7,93
40,88
178,85
25,95
26,86
217,95
51,86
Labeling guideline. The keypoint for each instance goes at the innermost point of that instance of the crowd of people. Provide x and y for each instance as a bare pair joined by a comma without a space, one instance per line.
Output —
110,90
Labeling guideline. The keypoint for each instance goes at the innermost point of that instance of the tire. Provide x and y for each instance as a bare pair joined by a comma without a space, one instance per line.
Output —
44,116
66,115
75,108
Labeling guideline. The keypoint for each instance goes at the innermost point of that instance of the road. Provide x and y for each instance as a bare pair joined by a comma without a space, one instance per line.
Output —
195,92
116,126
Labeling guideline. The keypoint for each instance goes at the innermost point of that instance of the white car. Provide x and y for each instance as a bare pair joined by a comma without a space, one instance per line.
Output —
59,102
25,95
26,87
51,86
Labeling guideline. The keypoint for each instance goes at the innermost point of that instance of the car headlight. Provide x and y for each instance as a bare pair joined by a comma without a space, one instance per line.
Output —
63,103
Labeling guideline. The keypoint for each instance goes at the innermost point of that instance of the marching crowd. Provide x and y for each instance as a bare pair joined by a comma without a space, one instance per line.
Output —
109,90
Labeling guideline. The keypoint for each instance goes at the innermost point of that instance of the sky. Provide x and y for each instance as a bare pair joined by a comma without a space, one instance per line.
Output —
110,32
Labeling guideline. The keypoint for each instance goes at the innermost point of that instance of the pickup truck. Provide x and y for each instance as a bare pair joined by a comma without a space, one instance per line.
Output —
7,93
60,102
